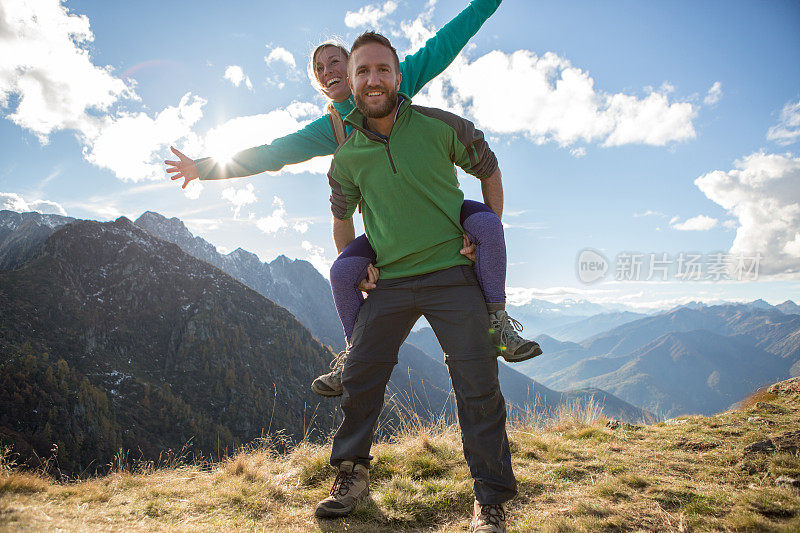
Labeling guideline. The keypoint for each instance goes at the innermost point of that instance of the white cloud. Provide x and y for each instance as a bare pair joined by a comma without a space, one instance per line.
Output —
276,221
132,145
253,130
714,94
730,224
788,129
100,210
419,30
558,102
649,213
369,15
47,65
580,151
698,223
281,55
14,202
240,197
524,295
316,256
762,193
235,75
193,190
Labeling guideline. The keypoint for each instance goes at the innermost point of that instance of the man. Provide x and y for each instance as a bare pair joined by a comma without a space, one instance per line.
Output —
398,164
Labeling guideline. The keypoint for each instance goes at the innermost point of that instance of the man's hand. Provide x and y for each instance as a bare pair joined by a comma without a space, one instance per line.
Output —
185,168
468,248
368,283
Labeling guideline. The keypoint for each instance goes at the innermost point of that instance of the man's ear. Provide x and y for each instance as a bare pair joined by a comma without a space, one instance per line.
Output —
349,82
399,79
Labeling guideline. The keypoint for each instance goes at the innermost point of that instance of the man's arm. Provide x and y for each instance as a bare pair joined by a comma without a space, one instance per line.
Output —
492,189
343,233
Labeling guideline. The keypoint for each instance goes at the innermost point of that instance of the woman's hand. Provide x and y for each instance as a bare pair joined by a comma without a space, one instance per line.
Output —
185,168
468,249
368,283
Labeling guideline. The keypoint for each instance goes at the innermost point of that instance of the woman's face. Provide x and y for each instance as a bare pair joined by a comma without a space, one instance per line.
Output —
330,67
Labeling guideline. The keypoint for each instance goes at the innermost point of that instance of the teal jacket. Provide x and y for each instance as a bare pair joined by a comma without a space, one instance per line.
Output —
407,186
317,138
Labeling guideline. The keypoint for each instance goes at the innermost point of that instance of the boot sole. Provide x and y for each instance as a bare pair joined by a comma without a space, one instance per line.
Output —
327,392
323,512
331,513
518,359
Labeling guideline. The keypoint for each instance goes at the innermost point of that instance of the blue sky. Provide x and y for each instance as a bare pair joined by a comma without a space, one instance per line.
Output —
624,127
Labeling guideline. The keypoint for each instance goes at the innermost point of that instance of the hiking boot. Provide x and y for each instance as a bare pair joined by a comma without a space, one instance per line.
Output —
507,341
488,518
350,485
330,384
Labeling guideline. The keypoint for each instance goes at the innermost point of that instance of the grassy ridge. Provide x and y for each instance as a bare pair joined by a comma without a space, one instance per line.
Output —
576,472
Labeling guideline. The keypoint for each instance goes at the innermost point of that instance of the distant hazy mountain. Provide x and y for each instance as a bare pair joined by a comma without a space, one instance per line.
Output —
22,233
522,392
540,316
598,360
759,304
681,372
294,284
112,338
769,327
556,356
789,307
593,325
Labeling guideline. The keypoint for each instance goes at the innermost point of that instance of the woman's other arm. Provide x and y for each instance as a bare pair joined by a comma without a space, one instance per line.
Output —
441,49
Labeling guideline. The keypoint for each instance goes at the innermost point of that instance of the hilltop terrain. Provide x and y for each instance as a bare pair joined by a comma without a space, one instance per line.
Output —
577,471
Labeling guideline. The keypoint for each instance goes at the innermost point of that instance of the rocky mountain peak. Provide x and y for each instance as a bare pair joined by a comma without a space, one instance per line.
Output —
292,283
13,220
162,226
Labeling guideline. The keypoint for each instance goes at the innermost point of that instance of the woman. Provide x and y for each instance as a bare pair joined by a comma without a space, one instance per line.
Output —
353,268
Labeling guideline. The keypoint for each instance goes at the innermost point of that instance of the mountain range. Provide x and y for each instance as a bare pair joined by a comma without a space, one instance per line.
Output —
112,338
692,359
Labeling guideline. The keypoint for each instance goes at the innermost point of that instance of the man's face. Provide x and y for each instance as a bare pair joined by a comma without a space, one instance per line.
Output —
374,80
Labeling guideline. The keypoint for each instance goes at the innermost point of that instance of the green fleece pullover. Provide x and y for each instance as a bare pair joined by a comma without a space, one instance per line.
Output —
407,186
317,138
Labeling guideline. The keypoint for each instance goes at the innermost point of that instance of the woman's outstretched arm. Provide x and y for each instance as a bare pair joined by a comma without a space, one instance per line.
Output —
441,49
313,140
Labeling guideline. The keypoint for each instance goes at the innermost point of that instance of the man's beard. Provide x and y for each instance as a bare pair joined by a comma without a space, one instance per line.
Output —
378,112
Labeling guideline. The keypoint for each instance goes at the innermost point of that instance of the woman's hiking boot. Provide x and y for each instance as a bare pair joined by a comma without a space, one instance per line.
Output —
507,341
330,384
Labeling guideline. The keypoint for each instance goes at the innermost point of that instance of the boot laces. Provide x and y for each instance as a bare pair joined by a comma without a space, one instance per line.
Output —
494,514
344,480
509,328
338,359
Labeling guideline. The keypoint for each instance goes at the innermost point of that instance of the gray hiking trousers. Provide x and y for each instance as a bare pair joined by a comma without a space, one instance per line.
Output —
453,304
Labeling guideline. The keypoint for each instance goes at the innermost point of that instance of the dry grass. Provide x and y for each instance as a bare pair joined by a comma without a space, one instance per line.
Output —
574,474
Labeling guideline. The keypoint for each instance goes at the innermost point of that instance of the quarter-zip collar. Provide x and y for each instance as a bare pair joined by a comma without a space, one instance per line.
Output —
357,120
